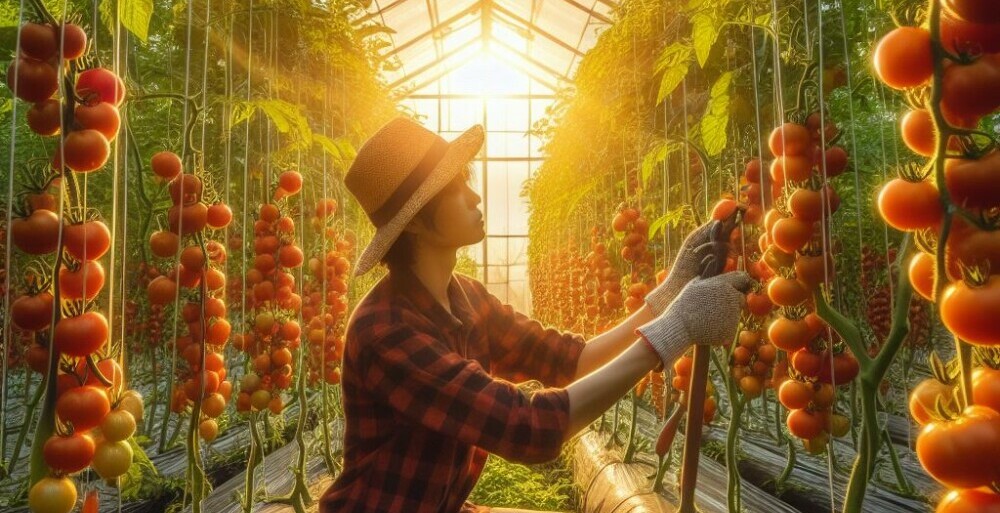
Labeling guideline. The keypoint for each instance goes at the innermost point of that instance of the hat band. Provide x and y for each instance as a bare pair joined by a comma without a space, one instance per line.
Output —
382,215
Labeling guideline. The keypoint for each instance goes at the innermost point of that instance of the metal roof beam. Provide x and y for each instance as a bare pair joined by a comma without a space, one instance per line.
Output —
534,28
380,11
528,71
590,12
446,23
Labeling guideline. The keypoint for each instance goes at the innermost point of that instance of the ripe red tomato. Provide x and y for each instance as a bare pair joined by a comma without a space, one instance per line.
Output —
37,234
85,150
971,246
962,453
976,11
786,292
921,274
917,130
759,304
44,117
906,205
959,36
789,139
81,335
109,367
32,313
188,185
903,58
723,209
925,396
32,80
804,424
161,291
219,216
795,395
38,41
74,41
89,240
164,244
290,256
972,90
986,388
788,334
100,85
290,181
974,183
806,205
192,219
970,312
69,454
976,500
807,363
85,282
166,165
326,207
845,368
812,270
102,117
791,234
84,407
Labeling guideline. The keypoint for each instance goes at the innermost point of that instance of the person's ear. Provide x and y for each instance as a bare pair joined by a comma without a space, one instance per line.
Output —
416,226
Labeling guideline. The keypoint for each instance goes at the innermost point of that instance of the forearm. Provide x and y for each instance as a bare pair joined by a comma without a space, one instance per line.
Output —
605,347
593,394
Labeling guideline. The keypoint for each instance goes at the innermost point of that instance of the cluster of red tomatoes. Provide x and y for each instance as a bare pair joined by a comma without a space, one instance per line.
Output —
34,77
878,301
958,447
682,383
629,221
559,286
147,329
325,302
796,247
195,284
970,90
96,420
275,329
602,283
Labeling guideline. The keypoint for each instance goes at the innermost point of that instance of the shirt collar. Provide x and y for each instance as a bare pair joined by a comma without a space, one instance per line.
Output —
461,314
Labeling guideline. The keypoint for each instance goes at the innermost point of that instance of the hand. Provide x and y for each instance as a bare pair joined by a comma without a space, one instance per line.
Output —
695,248
707,311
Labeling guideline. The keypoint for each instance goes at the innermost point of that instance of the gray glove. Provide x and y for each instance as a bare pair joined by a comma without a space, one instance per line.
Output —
707,311
686,267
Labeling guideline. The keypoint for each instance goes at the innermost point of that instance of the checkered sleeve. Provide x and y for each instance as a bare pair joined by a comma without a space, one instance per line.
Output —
428,383
522,348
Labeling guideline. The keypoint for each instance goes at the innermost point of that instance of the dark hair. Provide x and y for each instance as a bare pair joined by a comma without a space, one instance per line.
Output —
400,254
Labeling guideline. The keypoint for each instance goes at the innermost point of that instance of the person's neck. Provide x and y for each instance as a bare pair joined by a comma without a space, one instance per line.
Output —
434,267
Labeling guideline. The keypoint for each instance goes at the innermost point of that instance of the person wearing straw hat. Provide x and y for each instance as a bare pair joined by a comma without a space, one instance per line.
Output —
431,358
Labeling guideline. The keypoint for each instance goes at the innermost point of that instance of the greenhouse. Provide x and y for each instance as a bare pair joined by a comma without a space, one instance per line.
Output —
508,256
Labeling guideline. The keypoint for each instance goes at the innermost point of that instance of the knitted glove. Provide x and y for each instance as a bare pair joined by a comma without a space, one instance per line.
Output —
707,311
686,267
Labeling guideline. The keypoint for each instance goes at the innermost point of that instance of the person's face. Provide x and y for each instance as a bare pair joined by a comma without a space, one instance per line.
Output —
458,222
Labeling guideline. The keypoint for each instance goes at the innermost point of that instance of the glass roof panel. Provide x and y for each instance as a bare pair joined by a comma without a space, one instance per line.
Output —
448,9
543,31
409,19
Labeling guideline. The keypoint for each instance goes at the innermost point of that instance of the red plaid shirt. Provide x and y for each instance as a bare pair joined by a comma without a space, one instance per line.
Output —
428,394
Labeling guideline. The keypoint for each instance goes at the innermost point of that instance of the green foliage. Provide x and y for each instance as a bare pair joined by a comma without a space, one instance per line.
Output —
716,119
539,487
706,22
673,63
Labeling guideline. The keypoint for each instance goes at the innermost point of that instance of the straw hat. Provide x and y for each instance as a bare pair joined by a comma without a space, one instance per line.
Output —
397,171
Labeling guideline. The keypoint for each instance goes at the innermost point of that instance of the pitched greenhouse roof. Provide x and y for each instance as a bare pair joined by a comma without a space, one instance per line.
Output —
543,38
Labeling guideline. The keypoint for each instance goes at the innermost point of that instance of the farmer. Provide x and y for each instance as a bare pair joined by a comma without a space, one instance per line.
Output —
431,357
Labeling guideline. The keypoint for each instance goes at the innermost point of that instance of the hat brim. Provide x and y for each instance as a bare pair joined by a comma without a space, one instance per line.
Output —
459,153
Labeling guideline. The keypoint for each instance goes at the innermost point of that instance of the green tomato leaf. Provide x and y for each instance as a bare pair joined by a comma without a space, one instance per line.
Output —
655,157
716,119
674,62
704,32
135,15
